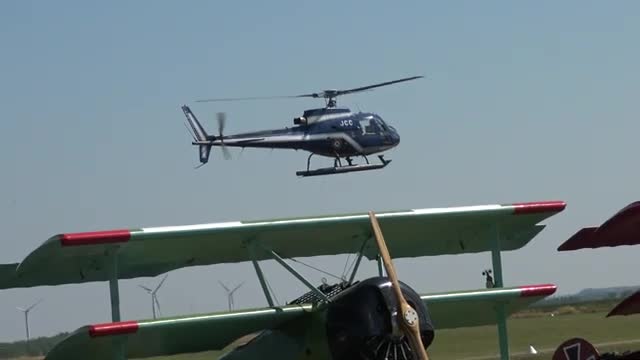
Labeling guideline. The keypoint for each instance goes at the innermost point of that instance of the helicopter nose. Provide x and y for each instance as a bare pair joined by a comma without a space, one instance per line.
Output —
395,136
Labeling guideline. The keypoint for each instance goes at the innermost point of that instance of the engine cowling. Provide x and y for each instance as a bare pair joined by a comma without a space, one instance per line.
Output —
363,323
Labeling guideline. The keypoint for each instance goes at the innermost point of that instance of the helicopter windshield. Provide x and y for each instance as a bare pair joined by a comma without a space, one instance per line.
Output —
373,125
381,123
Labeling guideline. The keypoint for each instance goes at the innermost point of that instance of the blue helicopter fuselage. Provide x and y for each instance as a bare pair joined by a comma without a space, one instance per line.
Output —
331,132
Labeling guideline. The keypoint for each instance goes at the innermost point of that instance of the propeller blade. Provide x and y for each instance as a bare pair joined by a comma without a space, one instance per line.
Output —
145,288
409,322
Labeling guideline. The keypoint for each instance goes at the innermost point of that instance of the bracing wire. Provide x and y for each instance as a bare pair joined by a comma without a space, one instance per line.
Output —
353,263
344,270
315,268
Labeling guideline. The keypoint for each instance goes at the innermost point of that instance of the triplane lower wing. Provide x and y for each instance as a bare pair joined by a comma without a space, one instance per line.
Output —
196,333
353,320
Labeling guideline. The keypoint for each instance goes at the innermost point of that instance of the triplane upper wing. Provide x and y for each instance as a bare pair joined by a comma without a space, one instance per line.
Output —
85,257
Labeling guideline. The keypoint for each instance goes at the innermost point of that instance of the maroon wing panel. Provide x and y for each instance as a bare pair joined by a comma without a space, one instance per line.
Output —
621,229
628,306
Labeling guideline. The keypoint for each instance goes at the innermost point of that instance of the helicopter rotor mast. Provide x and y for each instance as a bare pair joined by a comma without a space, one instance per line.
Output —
330,96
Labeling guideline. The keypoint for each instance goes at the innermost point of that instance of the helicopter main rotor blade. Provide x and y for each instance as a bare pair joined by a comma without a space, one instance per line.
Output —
327,94
369,87
256,98
409,319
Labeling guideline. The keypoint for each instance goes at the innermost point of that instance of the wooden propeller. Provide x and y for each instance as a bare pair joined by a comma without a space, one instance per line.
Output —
410,323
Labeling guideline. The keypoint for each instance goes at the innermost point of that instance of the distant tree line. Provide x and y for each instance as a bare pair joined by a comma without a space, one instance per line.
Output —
36,347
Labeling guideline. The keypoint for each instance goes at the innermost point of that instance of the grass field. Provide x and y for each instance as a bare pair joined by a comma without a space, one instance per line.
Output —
544,332
535,327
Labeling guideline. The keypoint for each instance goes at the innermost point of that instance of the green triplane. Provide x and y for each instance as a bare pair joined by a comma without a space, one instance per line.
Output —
350,320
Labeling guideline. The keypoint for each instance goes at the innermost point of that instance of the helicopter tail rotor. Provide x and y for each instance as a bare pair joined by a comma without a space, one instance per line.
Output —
222,119
202,139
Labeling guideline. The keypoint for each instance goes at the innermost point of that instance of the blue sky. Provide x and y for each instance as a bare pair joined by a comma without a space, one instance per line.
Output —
521,102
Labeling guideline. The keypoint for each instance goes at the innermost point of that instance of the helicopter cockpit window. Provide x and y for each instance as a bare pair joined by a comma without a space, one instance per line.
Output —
381,124
370,126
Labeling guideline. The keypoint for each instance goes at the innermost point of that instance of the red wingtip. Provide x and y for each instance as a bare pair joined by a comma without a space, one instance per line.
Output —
538,207
537,290
117,328
95,237
628,306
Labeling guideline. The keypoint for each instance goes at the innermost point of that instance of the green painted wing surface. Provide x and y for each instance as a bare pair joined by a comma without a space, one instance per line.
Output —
477,307
215,331
170,336
84,257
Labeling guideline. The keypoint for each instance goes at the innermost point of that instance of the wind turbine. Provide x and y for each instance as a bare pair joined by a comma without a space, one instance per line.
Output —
26,315
230,293
154,298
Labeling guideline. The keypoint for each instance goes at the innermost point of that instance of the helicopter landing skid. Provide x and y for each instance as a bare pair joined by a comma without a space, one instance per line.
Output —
343,169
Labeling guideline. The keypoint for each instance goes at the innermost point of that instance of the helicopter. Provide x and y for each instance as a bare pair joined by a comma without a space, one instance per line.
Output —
331,131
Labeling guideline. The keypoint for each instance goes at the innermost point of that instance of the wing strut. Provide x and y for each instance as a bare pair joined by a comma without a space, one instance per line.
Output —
501,318
114,293
275,256
256,265
293,272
